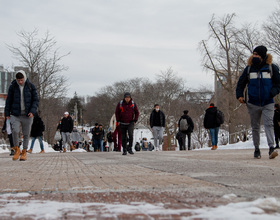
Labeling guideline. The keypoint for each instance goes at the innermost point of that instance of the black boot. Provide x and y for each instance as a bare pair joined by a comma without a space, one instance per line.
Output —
130,151
124,151
272,153
257,153
12,153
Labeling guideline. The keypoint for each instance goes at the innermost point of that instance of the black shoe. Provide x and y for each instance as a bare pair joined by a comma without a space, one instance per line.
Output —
12,153
276,147
257,154
131,152
272,153
124,153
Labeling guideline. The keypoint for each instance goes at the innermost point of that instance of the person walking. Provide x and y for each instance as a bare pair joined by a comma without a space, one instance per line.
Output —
186,127
116,132
157,123
263,80
276,124
211,123
127,115
66,128
37,130
21,105
96,137
110,141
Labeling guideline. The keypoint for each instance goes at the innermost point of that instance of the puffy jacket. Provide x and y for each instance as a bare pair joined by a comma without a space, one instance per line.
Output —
210,118
13,101
262,85
66,124
127,112
190,123
37,127
161,118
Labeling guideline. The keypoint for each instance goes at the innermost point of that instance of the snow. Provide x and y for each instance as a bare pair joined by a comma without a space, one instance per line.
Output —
55,210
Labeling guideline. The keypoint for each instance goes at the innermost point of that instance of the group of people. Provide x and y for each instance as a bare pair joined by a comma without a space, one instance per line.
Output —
261,76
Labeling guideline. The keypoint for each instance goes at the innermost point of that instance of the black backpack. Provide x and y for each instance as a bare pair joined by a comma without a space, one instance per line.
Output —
220,118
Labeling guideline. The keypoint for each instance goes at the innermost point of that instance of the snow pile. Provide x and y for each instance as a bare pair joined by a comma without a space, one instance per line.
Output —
36,209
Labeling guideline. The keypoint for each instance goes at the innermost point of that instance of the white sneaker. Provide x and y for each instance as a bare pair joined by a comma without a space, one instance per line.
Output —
160,147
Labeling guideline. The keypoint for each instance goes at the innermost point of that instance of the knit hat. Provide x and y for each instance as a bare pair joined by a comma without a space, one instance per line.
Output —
127,94
66,113
261,50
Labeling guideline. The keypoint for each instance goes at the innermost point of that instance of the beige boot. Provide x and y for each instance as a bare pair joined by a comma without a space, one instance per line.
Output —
23,155
42,151
30,151
17,153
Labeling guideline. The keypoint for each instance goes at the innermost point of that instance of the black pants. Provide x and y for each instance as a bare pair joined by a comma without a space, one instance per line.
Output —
10,136
184,141
277,137
127,130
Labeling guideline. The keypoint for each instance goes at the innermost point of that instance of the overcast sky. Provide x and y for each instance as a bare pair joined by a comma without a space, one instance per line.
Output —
115,40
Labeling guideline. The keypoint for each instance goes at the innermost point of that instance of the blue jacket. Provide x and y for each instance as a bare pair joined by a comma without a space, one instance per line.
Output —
262,85
13,102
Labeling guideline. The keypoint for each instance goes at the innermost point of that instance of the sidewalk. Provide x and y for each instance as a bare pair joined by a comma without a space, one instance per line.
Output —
174,181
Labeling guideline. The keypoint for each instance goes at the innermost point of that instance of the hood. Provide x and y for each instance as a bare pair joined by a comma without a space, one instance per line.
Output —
267,61
24,75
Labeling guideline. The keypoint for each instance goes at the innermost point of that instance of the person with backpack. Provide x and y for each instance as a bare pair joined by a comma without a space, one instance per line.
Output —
127,115
37,130
263,80
157,123
212,122
21,105
186,127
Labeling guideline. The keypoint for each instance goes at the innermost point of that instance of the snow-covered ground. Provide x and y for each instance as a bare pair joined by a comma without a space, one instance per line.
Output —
55,210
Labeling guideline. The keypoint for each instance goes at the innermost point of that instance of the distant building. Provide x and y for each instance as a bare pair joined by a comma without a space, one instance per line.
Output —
199,97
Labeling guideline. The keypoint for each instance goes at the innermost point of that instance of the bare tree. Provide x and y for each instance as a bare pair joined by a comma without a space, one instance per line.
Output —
222,56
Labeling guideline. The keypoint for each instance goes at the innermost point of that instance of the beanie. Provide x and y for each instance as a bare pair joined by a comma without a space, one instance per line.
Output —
261,50
66,113
127,94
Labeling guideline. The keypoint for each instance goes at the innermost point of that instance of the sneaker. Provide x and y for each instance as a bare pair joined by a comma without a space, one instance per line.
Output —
124,153
130,151
257,154
272,153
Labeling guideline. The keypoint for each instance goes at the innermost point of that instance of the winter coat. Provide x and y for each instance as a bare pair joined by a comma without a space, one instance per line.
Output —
66,124
190,123
153,118
97,133
127,112
37,127
262,85
210,118
13,101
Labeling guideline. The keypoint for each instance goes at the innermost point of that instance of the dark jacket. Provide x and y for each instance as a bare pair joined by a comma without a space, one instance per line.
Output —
97,133
262,85
157,119
66,124
210,118
37,127
13,103
190,123
127,112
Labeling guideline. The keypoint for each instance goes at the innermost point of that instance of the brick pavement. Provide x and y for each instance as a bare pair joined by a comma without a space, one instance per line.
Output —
176,179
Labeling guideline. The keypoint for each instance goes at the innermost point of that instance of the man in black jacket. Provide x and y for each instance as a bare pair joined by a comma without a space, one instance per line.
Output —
157,123
21,105
186,131
66,127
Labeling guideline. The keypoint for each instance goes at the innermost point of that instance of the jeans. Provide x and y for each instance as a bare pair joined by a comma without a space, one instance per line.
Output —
97,144
214,135
25,123
158,135
40,141
127,129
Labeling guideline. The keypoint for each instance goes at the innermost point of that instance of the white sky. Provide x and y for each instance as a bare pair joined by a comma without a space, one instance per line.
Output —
114,40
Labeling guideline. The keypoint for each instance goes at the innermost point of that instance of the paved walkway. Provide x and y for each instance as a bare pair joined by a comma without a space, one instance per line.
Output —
178,180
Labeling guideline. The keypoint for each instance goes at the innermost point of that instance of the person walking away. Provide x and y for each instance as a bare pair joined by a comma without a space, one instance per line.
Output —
37,130
102,137
276,124
263,80
127,115
66,128
21,105
7,129
116,131
186,127
157,123
110,141
211,123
